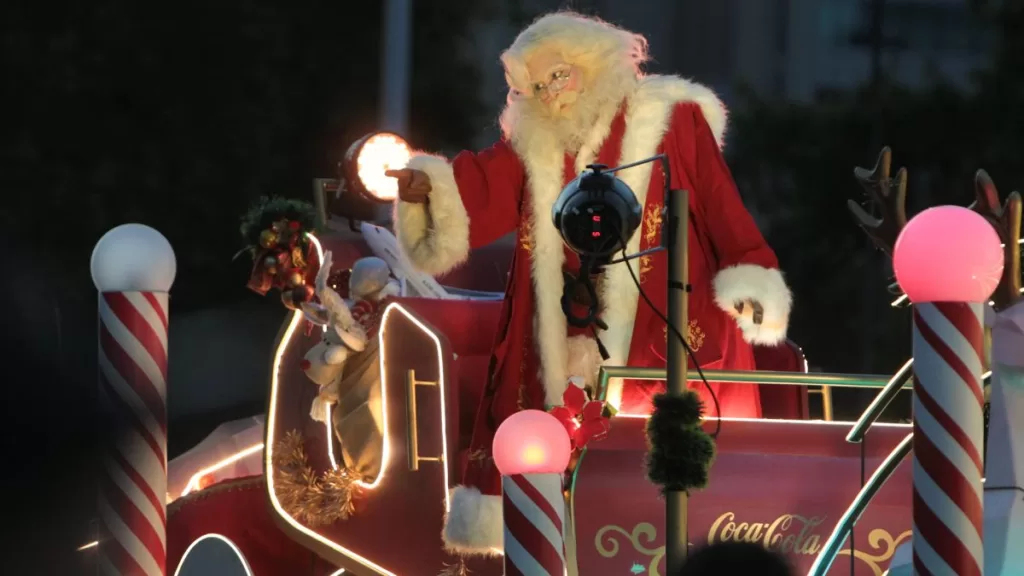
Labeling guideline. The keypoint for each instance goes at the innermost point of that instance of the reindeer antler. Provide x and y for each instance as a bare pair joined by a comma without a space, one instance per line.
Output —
1006,219
889,195
338,311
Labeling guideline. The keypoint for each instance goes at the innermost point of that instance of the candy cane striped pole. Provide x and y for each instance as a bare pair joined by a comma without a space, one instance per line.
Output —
948,436
133,267
533,510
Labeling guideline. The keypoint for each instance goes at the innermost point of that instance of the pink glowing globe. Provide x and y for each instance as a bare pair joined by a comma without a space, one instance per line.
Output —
948,254
531,442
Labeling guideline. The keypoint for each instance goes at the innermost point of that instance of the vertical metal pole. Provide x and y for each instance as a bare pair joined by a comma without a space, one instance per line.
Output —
676,537
396,54
395,69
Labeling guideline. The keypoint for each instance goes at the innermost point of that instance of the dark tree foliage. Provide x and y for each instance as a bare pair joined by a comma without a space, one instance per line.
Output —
179,117
795,163
1001,96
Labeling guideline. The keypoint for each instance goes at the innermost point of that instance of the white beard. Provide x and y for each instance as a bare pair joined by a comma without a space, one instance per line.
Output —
571,117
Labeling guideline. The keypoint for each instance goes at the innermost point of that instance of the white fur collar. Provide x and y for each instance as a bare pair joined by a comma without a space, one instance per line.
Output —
649,111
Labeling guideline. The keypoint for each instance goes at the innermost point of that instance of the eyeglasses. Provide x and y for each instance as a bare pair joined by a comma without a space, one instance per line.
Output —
558,81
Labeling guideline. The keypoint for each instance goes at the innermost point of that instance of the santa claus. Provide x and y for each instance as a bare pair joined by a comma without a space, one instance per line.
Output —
577,96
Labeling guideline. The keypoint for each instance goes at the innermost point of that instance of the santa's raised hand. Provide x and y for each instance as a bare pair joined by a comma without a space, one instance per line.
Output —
413,185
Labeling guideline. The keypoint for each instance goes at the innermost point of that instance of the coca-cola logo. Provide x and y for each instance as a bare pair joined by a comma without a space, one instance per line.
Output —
787,534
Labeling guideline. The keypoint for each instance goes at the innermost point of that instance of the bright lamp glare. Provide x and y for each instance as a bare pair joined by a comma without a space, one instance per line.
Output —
380,153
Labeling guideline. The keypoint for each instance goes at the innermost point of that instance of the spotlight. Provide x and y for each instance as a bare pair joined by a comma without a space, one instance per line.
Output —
596,214
366,161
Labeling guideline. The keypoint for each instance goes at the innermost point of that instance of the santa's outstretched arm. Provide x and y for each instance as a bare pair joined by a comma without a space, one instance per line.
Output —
473,200
749,285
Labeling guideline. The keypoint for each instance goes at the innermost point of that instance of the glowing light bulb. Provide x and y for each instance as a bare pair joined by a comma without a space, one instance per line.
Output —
948,254
531,442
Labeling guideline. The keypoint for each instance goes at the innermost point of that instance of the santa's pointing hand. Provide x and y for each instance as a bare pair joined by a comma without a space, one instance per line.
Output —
413,185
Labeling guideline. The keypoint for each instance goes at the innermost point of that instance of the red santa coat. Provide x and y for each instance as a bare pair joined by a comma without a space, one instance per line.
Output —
480,197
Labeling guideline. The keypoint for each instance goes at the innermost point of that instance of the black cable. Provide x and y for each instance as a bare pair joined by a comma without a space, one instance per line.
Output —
679,335
582,279
592,320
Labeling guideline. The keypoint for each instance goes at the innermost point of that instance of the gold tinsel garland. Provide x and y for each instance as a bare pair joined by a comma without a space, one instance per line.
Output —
311,498
457,569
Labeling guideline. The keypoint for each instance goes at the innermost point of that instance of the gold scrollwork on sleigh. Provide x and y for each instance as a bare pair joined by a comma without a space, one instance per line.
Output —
773,536
884,546
640,538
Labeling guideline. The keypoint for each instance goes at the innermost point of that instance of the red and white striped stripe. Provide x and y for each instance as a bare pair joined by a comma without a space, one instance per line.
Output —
948,436
534,511
133,390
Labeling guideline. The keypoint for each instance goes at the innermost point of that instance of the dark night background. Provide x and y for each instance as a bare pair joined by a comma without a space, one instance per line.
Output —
180,115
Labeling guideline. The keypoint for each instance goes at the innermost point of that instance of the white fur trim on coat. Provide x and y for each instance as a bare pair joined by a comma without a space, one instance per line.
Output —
434,236
584,362
764,285
474,526
648,115
672,90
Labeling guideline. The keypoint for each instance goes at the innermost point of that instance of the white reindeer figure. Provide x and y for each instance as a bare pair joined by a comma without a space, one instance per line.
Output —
324,363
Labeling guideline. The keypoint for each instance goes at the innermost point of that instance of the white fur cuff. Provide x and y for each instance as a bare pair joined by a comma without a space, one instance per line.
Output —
474,526
756,283
434,236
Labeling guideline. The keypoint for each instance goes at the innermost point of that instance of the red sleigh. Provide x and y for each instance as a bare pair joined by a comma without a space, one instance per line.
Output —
784,481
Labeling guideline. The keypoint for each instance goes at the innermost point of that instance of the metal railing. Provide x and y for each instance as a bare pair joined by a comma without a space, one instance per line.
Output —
824,380
902,377
835,541
748,377
846,524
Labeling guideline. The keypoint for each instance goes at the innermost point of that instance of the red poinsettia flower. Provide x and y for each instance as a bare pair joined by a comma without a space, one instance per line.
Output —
583,418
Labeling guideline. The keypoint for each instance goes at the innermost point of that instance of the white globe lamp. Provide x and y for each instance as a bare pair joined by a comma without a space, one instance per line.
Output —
133,258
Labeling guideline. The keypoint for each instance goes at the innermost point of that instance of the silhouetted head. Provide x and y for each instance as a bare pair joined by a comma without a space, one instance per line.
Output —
739,558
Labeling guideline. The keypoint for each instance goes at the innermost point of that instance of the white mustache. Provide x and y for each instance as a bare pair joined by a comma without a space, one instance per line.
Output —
562,101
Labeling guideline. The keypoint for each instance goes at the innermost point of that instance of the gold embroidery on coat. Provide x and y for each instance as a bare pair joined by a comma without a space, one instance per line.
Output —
645,267
526,234
694,335
652,226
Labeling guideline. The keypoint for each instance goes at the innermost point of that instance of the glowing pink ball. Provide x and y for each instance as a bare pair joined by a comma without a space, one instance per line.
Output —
531,442
948,254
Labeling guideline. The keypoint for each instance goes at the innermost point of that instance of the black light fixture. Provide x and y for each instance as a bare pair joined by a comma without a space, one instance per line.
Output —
596,214
366,161
361,186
